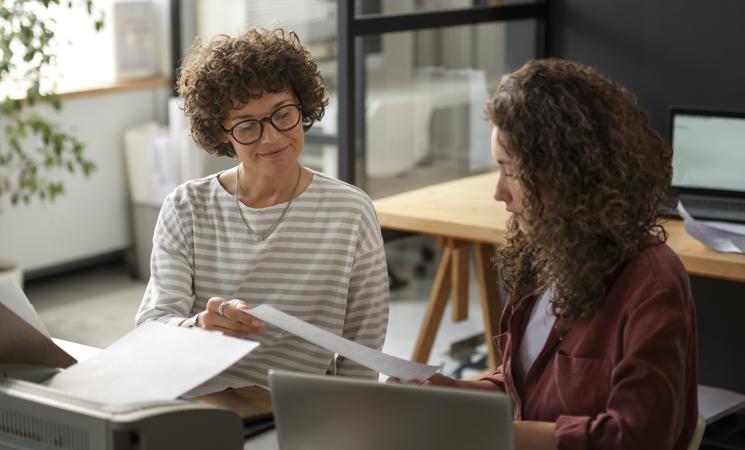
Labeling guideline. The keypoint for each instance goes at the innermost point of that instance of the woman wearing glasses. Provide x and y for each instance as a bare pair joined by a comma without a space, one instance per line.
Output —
268,230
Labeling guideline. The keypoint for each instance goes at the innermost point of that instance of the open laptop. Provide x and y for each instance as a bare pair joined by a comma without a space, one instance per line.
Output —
338,413
709,162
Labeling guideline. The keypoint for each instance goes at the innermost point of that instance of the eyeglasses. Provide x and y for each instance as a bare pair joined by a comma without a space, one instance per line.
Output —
249,131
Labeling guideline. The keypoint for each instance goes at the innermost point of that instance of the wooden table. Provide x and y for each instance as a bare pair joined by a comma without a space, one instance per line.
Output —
463,215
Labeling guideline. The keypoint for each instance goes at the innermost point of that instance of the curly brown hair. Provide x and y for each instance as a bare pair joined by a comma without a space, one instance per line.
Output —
594,173
227,72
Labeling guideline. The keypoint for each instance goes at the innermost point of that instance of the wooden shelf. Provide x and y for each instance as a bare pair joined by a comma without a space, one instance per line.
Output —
156,82
92,88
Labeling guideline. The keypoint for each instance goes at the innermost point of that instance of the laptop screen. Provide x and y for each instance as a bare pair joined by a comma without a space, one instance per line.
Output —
708,150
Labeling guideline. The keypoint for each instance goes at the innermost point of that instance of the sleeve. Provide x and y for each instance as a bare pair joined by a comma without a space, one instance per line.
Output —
169,296
497,378
649,386
366,318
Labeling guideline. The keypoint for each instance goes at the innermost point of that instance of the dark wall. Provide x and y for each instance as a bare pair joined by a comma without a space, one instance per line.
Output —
685,52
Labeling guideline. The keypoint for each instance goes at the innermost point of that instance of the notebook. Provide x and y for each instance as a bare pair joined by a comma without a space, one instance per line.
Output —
337,413
709,162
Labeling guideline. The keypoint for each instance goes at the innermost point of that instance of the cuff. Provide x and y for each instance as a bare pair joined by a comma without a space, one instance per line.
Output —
176,321
496,378
572,432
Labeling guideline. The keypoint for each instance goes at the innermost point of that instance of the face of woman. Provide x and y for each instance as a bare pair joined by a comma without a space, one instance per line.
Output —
276,151
509,189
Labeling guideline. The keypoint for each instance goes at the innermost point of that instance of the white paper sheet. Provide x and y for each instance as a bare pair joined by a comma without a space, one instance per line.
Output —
219,383
15,300
722,237
80,352
154,362
714,403
379,361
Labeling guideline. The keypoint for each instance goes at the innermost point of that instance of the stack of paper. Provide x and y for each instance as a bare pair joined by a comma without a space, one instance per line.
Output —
722,237
154,362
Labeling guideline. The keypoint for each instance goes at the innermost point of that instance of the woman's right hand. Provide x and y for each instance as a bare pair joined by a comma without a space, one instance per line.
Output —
437,379
230,317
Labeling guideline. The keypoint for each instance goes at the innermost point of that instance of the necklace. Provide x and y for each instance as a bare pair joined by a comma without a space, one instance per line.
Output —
262,236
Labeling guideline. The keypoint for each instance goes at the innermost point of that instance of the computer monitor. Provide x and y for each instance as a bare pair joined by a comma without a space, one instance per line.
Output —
709,161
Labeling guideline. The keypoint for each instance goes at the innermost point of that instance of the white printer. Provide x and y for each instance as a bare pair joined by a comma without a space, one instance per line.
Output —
34,416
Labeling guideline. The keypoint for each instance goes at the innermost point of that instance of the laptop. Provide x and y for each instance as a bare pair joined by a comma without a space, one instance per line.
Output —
709,162
337,413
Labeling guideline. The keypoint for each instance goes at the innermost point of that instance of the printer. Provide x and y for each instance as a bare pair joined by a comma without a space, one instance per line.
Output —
34,416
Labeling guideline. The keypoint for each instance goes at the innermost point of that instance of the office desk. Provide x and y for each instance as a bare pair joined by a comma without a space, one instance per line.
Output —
463,215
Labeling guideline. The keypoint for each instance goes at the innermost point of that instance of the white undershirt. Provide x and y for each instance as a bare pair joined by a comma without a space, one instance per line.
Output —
536,333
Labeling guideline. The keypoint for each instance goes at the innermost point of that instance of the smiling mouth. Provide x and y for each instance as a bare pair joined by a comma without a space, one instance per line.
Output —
273,152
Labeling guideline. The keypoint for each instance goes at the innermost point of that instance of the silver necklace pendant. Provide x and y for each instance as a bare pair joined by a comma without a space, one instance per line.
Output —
256,235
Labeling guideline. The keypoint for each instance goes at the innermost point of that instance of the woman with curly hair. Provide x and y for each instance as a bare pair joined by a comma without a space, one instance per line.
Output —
598,338
268,230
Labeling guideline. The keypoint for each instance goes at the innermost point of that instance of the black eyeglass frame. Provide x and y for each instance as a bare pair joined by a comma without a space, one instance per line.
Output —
261,124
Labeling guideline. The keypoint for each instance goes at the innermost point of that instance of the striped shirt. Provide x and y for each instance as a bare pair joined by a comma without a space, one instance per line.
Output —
324,263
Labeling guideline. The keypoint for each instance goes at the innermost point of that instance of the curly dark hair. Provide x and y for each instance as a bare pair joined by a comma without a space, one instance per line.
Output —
594,173
227,72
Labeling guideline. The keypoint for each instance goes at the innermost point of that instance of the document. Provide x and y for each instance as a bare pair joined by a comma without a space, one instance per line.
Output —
722,237
715,403
24,340
15,300
154,362
379,361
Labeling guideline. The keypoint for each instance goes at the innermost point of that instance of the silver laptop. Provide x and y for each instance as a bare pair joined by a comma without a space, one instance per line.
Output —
337,413
709,162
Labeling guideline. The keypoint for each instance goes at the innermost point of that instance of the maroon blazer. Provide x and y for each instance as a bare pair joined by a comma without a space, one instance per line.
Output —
625,379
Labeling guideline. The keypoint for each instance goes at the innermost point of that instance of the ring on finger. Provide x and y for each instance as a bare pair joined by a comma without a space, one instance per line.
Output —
220,309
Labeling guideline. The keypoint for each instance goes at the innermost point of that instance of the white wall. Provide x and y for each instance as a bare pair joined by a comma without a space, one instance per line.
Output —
92,217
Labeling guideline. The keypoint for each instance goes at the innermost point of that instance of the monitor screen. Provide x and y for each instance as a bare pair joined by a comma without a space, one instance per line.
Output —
708,151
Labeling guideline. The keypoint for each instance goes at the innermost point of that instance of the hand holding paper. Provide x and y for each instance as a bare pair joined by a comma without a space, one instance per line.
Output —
379,361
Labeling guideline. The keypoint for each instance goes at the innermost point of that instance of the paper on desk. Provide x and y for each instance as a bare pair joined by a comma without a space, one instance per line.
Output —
23,337
216,384
714,403
153,362
15,300
719,236
22,344
379,361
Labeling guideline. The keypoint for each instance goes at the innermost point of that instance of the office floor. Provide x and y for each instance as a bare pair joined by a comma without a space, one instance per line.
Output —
96,306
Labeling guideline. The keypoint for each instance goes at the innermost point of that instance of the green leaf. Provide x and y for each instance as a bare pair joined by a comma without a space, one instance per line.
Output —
32,148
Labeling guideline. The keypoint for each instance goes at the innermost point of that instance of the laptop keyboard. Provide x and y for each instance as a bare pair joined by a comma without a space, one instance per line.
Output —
715,209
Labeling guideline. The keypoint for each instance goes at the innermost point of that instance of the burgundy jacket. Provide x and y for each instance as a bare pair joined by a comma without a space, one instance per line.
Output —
625,379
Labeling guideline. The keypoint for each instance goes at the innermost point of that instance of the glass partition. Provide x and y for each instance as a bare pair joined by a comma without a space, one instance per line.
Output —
423,91
424,101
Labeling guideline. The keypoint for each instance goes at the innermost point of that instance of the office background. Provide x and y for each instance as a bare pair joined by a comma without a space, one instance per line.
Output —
667,52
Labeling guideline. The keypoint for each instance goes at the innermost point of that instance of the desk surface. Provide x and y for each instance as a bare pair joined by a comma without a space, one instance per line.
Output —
465,209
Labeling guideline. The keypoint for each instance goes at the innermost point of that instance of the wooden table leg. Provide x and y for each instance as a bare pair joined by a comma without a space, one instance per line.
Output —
491,301
435,308
460,274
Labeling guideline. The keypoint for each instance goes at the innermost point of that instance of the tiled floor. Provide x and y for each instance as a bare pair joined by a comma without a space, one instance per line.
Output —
96,306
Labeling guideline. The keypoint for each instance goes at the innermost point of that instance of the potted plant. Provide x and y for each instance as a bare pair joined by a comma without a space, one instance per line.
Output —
33,148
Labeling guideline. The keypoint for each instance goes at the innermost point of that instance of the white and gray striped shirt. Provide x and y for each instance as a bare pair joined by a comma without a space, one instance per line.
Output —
324,263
